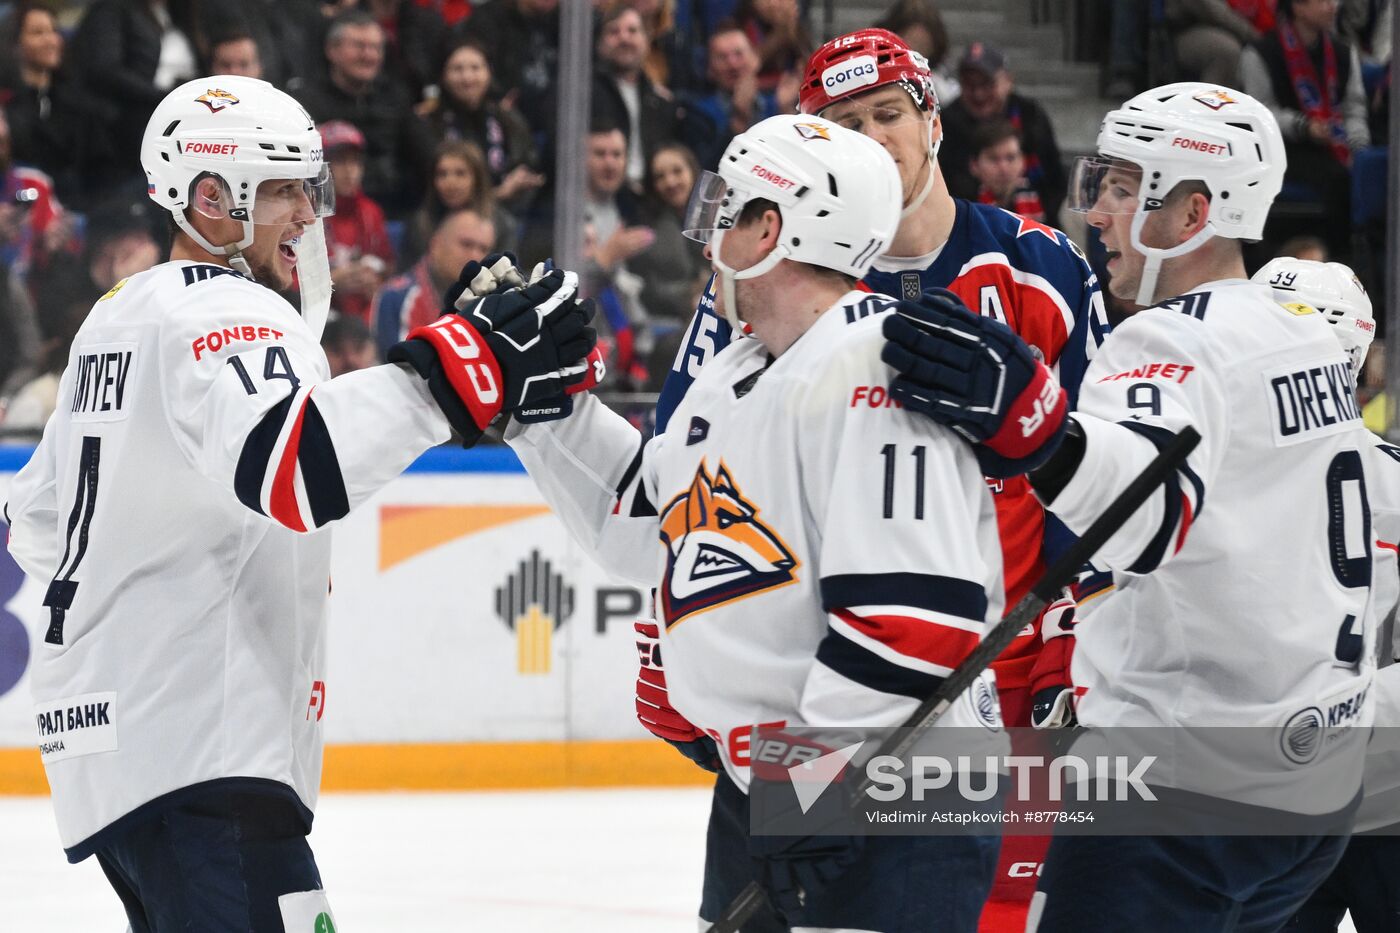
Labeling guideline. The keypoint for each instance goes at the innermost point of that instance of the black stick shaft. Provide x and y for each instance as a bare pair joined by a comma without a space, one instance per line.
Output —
1058,576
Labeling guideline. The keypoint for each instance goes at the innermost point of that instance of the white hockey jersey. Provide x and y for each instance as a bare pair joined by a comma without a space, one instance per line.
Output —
1243,592
196,439
821,557
1381,806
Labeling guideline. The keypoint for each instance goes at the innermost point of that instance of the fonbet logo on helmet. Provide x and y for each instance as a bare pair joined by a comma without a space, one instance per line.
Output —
216,100
845,76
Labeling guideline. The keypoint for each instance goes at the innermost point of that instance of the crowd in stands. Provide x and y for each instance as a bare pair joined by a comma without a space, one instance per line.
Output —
438,120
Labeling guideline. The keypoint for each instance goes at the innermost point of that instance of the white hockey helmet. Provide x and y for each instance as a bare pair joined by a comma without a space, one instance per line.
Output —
838,193
243,131
1189,131
1334,290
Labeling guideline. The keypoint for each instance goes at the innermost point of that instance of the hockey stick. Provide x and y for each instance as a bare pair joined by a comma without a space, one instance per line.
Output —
1059,575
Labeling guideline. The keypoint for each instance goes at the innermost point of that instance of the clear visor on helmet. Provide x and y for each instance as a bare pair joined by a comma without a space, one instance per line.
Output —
709,208
1104,186
278,201
284,200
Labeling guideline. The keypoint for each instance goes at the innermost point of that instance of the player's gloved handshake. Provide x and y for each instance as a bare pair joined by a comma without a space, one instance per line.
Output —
976,376
512,349
654,709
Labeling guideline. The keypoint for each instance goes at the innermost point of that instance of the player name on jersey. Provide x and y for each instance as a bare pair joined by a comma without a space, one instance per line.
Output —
1311,401
99,386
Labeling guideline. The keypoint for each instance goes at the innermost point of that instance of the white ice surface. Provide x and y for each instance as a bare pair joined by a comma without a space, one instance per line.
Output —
585,861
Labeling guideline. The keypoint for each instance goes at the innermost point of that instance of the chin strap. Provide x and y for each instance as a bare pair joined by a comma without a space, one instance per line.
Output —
933,147
728,276
1147,286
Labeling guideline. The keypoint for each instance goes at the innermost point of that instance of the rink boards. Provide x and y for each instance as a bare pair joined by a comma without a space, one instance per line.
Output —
473,644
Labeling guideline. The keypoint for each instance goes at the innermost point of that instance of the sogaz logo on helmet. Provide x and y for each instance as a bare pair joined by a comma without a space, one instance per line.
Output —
853,73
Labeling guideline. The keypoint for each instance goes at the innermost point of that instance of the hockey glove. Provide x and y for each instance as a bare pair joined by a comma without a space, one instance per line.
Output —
504,351
1052,691
793,868
496,273
976,376
654,708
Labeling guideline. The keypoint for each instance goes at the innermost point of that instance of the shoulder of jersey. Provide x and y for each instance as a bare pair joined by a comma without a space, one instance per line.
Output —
850,337
212,287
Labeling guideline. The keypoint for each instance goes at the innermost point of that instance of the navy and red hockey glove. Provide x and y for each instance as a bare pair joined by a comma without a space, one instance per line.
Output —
654,709
1052,690
974,375
505,351
794,868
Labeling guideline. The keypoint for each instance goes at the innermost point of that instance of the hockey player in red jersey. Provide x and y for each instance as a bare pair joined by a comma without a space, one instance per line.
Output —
1016,270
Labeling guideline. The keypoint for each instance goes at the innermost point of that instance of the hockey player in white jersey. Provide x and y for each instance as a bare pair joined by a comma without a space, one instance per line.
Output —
1244,589
1365,883
174,503
820,557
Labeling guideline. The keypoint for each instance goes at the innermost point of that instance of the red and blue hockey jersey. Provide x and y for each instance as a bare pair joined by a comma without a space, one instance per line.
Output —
1017,270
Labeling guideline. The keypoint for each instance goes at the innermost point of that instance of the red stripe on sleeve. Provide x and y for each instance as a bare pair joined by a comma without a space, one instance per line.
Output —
1185,522
938,644
283,501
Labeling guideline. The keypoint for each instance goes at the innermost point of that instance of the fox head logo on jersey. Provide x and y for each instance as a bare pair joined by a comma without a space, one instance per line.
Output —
719,550
216,100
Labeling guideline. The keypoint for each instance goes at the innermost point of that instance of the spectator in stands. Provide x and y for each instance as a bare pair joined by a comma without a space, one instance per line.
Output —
736,103
451,11
130,53
414,41
607,204
522,39
287,36
673,269
779,38
1208,35
52,128
349,345
34,228
358,90
1311,80
920,25
668,52
466,111
460,182
623,94
235,53
1128,31
988,96
1000,170
361,256
415,298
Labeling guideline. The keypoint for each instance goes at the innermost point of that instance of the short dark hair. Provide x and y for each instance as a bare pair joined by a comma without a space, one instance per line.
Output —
349,19
906,13
987,135
344,331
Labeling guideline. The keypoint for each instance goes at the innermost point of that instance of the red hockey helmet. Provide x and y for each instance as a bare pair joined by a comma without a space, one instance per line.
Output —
860,61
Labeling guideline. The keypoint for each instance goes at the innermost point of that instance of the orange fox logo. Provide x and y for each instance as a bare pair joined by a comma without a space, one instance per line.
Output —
719,550
216,100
